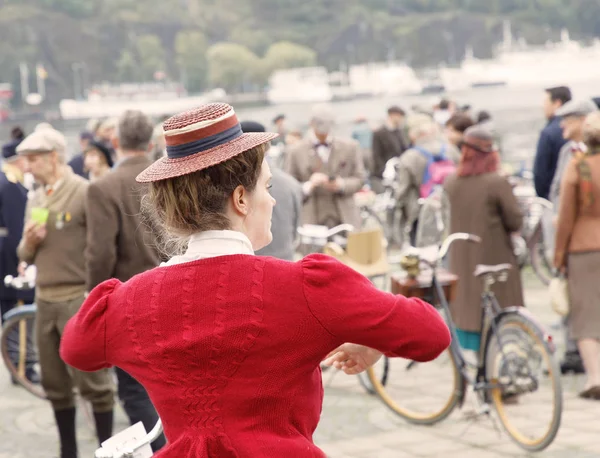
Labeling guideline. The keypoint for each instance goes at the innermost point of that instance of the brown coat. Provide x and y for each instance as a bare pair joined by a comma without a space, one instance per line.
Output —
119,244
577,231
344,161
483,205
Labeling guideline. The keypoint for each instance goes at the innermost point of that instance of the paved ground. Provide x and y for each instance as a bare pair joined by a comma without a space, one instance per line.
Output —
354,424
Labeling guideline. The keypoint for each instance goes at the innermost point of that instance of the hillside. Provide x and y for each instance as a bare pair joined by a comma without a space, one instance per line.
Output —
229,43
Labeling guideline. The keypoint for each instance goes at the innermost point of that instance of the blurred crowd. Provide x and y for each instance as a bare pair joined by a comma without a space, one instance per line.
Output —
80,220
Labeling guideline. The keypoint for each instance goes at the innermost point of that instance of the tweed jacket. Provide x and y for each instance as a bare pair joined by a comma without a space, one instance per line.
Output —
344,161
119,244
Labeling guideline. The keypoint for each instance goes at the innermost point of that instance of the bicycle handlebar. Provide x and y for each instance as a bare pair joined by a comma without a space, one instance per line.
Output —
453,238
542,203
129,451
305,231
19,283
433,254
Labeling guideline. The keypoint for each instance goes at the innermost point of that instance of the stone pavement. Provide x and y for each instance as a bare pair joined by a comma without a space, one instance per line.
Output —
353,425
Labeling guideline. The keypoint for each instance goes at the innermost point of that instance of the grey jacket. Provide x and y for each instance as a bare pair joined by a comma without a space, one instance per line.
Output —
564,157
410,175
286,215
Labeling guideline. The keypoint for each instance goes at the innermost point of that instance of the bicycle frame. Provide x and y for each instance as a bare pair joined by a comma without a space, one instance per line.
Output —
491,317
26,309
455,349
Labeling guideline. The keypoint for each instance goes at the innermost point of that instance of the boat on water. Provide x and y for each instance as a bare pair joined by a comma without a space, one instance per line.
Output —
315,84
517,64
383,79
299,85
154,99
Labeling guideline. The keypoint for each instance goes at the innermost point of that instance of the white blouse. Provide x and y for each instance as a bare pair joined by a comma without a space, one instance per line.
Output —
210,244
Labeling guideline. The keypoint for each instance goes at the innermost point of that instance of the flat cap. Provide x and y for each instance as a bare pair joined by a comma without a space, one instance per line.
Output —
43,140
582,107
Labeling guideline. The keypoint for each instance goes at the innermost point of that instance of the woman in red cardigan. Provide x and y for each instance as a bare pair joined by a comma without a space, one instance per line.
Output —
228,344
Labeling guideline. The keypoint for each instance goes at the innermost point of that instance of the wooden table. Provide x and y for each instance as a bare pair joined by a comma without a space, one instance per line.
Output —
422,288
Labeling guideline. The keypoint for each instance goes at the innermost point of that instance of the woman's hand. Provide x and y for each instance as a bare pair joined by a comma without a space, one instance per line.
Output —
352,358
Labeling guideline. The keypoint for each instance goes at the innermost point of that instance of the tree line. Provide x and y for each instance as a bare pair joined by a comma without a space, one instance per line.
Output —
236,44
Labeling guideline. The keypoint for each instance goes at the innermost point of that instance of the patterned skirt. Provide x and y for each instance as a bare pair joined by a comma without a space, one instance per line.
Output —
584,295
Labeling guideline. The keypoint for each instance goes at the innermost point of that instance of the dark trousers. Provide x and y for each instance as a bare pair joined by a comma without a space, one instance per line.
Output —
413,233
14,339
137,405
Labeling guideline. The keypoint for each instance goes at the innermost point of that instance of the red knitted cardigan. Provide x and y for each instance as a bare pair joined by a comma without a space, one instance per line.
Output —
229,347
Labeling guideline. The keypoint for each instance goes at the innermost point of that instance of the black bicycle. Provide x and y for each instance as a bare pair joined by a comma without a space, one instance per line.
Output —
514,370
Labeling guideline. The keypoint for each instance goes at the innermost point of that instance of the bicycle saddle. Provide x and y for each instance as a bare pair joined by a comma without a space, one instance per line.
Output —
482,269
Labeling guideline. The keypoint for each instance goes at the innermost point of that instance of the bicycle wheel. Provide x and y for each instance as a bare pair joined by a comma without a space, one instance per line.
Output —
382,376
421,393
525,383
19,349
540,263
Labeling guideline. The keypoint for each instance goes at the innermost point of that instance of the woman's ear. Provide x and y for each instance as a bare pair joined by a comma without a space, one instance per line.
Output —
240,200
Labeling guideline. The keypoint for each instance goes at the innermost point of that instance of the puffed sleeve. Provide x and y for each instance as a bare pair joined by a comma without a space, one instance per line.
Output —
83,343
351,309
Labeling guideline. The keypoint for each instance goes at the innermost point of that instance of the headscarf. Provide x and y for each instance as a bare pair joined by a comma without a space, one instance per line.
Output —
479,154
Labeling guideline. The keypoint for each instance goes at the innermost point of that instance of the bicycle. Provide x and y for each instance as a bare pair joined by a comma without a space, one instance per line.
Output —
382,209
17,332
530,245
507,369
18,328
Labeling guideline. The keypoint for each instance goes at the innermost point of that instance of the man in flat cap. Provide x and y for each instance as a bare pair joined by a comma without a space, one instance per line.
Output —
331,171
54,239
573,114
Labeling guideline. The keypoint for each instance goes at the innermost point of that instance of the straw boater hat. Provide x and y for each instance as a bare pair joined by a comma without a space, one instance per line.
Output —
200,138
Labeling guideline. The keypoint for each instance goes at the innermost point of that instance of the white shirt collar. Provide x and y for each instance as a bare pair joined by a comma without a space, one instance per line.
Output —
315,141
322,150
51,188
210,244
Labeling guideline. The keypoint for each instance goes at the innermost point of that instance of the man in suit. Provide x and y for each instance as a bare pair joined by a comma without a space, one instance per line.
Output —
13,200
118,244
331,171
287,192
388,142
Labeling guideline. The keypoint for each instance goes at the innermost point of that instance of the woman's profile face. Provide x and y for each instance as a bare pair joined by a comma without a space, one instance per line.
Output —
94,161
257,223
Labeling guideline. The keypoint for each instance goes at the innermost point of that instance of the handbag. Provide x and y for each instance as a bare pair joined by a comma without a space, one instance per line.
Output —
559,295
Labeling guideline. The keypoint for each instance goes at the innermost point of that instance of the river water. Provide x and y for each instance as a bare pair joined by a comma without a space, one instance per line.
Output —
517,114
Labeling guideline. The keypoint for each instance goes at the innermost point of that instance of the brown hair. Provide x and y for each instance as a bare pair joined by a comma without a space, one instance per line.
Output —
197,202
473,162
479,155
460,122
